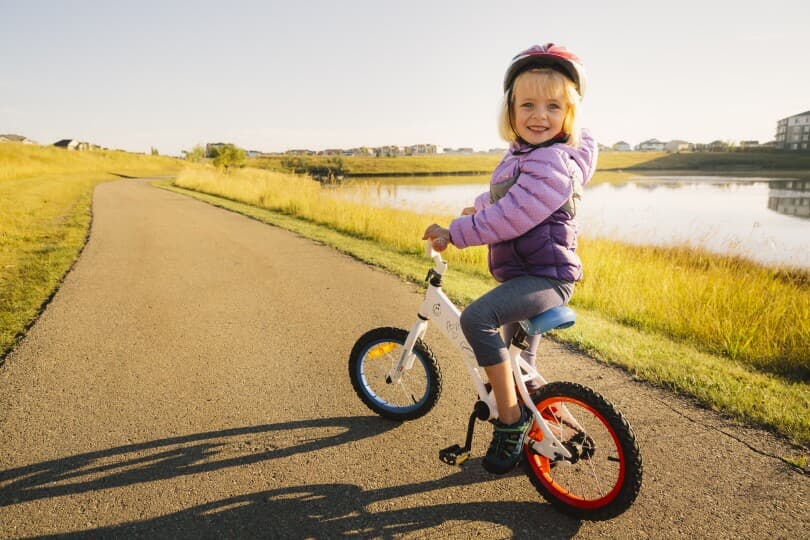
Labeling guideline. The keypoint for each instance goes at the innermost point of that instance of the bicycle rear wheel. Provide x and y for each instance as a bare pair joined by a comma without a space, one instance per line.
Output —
603,477
370,362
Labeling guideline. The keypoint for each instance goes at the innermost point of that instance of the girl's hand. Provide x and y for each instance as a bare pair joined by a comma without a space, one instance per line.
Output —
439,237
470,210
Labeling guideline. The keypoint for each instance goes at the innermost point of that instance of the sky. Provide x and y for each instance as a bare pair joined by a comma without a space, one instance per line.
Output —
272,76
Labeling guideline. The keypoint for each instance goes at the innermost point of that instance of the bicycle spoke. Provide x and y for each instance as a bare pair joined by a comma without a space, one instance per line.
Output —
409,392
592,471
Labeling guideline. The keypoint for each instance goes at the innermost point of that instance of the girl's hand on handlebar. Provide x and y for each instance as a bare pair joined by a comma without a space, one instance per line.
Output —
439,237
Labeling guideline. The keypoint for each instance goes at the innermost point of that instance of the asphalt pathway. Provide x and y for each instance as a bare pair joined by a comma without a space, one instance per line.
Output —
189,380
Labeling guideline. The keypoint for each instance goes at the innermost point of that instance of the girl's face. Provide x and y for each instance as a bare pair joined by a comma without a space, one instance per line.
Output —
538,111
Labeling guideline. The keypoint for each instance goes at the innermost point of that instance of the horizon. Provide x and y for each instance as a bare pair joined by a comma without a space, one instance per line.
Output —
439,149
275,77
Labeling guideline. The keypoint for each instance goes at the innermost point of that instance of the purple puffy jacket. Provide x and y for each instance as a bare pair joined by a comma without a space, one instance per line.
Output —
527,217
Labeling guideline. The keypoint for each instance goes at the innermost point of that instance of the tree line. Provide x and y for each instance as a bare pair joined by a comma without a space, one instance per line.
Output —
230,156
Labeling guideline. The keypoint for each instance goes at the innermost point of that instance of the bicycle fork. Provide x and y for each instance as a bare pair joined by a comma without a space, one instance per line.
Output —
406,357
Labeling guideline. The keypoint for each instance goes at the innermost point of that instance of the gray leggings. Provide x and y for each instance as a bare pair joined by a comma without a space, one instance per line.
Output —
503,307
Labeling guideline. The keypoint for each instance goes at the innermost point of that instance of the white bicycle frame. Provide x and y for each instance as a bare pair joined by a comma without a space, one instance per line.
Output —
438,307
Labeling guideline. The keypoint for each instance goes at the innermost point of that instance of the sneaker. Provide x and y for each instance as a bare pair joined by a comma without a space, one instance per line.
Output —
507,444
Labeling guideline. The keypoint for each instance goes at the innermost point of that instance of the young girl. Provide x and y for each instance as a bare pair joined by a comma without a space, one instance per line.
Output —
527,220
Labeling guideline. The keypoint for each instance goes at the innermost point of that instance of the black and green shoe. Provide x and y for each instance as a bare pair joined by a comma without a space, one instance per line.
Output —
507,444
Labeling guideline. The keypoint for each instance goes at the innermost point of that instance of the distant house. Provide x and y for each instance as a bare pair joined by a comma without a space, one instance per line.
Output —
650,145
387,151
673,147
793,132
747,145
72,144
714,146
420,149
622,146
10,137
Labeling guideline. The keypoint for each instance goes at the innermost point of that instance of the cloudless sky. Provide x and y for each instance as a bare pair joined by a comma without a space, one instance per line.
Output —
271,76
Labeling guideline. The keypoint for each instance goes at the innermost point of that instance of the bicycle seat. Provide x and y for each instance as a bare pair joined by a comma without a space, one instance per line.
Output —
557,317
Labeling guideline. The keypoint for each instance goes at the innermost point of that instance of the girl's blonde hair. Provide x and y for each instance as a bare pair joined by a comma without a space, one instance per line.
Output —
551,84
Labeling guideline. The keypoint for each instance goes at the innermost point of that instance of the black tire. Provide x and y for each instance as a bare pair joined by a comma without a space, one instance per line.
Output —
604,478
371,359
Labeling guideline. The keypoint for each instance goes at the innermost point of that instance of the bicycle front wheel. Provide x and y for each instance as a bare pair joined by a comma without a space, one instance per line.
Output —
603,477
370,363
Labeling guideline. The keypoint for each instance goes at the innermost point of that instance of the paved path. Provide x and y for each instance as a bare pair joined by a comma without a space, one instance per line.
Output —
190,380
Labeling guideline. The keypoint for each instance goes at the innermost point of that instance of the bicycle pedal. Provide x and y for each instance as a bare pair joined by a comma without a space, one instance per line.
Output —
454,455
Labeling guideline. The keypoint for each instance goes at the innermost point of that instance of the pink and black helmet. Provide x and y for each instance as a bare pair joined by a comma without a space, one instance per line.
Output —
549,55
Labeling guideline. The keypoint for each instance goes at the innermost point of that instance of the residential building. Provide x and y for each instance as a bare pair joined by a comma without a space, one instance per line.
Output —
673,147
11,137
718,146
793,132
420,149
387,151
72,144
622,146
650,145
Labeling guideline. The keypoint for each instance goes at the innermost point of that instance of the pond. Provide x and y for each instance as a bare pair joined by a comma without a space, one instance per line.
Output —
760,218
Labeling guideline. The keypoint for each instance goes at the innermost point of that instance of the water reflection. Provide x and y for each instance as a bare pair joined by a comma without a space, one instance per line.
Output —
763,219
790,197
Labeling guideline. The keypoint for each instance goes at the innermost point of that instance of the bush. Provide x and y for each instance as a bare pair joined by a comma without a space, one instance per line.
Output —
228,156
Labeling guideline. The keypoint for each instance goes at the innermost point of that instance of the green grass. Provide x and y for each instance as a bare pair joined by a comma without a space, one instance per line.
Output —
736,162
404,165
707,161
719,383
45,213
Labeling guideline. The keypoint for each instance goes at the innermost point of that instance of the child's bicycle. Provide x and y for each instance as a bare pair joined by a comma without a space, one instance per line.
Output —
580,454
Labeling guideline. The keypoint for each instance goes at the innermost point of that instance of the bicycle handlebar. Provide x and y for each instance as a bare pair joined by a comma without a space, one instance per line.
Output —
439,264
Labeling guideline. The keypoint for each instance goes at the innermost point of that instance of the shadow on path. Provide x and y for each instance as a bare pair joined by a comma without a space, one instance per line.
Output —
178,456
318,510
346,510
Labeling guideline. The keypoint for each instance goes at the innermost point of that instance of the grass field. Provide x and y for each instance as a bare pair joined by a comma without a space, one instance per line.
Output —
721,329
751,161
45,213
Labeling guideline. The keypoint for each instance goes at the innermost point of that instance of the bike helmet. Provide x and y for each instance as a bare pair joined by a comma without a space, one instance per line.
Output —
551,56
